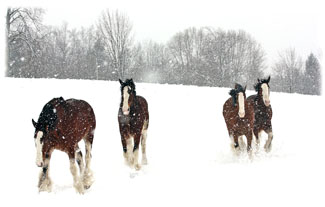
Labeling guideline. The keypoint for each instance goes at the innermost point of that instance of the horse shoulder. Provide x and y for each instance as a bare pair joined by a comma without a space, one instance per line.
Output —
143,105
142,100
229,111
226,107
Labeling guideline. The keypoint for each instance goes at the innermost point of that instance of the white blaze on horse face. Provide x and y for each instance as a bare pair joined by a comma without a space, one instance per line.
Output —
241,102
39,147
126,95
266,94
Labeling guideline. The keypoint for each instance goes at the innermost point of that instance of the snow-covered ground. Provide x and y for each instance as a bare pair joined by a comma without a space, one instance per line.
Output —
189,157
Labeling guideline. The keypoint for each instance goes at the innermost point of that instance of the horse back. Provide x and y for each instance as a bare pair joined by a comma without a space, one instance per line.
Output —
76,117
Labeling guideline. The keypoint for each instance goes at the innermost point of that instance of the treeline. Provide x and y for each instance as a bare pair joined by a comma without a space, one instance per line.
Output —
107,51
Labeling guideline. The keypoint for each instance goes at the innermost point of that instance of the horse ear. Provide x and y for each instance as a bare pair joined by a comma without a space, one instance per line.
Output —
268,79
245,88
131,80
34,123
258,80
121,82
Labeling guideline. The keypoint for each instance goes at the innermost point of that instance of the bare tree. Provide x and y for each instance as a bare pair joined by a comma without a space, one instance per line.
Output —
150,62
232,56
23,29
288,70
116,28
185,50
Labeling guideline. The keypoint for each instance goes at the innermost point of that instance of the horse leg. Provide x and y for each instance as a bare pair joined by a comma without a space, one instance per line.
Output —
124,148
136,151
268,144
235,144
45,183
249,137
241,142
232,142
87,176
129,151
257,137
143,147
80,160
78,185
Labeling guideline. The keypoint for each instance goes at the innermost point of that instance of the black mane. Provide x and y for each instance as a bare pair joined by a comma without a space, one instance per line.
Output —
259,83
48,117
233,92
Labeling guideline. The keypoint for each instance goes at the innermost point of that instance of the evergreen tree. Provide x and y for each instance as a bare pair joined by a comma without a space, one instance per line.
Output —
313,76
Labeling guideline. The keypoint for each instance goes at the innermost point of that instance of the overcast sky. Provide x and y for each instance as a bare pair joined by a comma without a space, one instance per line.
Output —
276,24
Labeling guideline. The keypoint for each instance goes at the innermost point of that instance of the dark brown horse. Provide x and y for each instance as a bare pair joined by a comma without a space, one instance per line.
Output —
133,118
263,111
239,117
61,125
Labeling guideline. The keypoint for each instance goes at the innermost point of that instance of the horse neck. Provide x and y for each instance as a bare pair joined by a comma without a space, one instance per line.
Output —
134,104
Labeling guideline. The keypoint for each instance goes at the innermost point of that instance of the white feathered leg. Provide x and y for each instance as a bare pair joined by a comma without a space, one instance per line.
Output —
87,176
143,147
45,183
268,144
77,183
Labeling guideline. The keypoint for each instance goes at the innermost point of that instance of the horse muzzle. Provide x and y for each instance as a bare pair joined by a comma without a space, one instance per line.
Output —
241,114
39,164
267,103
126,112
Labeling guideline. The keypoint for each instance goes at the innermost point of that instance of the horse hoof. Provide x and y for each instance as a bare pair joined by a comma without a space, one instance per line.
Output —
80,190
45,186
268,148
144,162
137,167
79,187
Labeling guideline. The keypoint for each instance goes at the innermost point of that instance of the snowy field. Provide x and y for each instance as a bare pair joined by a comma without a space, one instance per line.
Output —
189,158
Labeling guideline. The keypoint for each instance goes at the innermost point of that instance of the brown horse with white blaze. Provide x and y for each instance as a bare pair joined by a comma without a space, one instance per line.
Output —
239,117
133,118
61,125
263,111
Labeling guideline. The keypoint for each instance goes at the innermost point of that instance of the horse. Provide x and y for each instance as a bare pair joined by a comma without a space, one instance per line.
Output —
263,112
239,117
133,118
61,125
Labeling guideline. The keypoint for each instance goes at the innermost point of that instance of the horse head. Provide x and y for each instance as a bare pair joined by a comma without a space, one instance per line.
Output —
45,124
128,95
238,95
263,89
